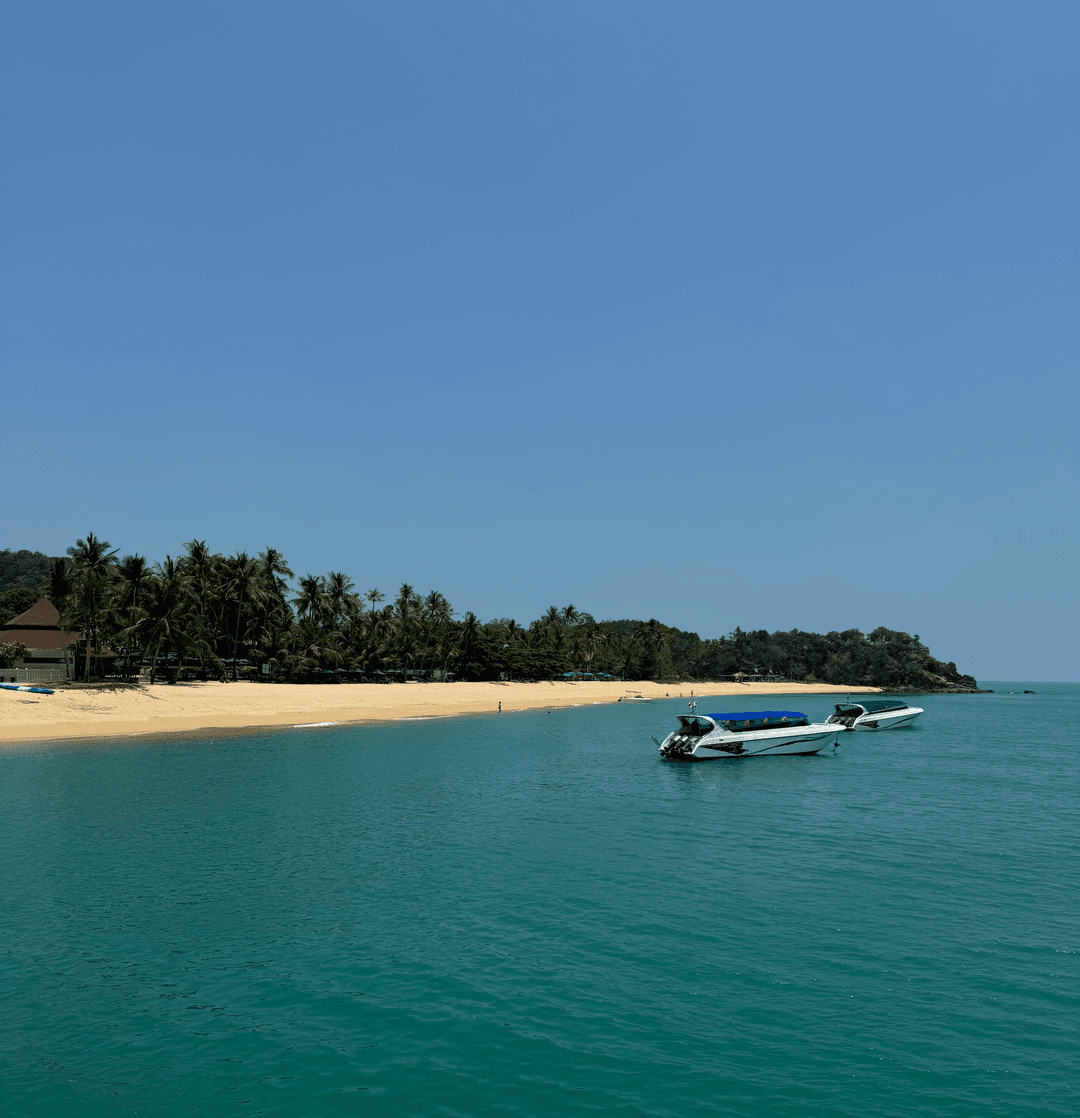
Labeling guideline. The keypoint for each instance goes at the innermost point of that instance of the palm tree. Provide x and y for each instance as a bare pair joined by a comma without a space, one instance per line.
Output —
436,614
637,649
339,589
134,573
167,612
407,602
469,631
204,570
570,616
276,616
134,576
312,603
510,660
448,648
59,584
199,555
315,645
594,640
58,589
371,648
242,582
275,570
406,606
650,637
554,630
374,597
618,657
93,562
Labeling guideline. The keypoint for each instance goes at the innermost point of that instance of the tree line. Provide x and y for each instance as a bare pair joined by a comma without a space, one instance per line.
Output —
22,570
221,616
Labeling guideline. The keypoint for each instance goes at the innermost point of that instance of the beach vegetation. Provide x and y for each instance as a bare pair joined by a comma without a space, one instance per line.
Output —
208,615
11,653
23,570
87,607
14,602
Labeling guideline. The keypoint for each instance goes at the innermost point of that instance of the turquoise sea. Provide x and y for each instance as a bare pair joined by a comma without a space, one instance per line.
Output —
532,915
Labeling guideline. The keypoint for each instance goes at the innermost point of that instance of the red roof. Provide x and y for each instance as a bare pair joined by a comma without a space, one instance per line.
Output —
52,639
41,615
38,628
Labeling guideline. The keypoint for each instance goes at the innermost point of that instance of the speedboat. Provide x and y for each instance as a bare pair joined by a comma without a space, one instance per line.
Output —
634,697
874,714
763,733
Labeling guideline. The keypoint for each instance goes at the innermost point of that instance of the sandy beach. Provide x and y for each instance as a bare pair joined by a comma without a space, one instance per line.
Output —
194,707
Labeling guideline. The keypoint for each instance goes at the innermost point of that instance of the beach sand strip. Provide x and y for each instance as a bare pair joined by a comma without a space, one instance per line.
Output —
194,707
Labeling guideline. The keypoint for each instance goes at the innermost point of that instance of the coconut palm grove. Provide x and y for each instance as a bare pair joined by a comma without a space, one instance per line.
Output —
203,615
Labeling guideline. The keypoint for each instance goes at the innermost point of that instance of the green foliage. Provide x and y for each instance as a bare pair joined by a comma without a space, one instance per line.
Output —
58,586
23,570
11,652
14,602
88,606
883,659
230,615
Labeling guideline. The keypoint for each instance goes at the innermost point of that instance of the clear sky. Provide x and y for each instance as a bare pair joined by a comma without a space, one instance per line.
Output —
758,314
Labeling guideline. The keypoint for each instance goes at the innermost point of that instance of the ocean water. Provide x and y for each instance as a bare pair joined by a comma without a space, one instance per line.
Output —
532,915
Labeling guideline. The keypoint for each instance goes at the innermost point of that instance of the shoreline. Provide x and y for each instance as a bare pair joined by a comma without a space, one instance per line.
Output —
197,709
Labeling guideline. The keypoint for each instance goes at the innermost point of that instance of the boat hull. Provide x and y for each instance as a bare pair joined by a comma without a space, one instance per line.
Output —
893,720
800,742
25,687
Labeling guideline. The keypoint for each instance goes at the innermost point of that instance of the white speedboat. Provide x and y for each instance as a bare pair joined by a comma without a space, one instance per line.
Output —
634,697
763,733
874,714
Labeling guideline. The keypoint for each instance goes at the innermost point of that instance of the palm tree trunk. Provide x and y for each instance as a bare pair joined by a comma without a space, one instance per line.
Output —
236,634
427,645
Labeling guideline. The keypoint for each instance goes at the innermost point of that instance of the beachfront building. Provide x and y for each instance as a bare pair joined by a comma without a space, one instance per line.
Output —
50,654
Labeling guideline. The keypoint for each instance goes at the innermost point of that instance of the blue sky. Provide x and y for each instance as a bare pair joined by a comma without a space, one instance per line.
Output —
758,314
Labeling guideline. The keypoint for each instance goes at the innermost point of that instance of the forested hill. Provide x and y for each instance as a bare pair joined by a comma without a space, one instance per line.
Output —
883,658
206,613
23,570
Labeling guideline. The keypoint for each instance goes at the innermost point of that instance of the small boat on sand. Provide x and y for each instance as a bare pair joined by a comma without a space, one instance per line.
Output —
24,687
874,714
763,733
634,697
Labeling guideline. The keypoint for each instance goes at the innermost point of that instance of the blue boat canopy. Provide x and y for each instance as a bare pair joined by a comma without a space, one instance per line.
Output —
758,716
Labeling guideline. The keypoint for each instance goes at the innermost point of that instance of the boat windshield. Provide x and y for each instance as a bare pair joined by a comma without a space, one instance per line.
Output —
870,706
878,706
695,725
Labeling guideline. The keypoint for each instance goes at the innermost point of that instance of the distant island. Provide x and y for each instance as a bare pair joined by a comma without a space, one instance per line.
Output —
203,615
